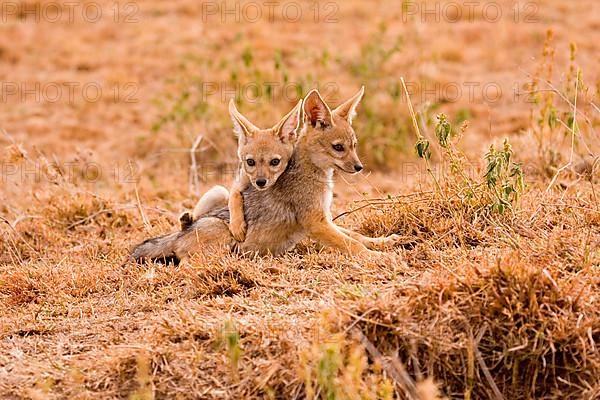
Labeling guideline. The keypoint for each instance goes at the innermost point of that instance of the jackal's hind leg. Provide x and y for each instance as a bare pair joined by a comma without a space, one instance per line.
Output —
217,196
185,220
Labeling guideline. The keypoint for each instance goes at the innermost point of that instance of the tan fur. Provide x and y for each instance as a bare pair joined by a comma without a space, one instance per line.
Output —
217,196
262,147
211,231
310,185
237,223
298,203
316,158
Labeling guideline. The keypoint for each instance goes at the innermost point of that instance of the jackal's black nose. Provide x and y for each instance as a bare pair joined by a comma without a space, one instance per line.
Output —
358,167
261,182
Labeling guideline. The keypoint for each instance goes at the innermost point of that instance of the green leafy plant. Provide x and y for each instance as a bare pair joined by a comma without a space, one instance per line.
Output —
443,130
503,180
422,148
555,110
503,177
230,339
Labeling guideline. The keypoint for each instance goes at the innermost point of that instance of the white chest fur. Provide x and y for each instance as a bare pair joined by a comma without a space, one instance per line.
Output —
328,195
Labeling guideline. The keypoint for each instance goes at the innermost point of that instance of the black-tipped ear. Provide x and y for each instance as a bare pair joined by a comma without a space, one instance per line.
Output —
347,110
316,111
241,126
287,128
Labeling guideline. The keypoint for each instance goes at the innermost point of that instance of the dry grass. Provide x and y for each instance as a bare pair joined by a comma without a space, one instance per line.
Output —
515,296
474,304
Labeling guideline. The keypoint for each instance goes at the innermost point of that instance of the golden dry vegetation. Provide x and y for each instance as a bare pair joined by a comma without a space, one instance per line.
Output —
498,296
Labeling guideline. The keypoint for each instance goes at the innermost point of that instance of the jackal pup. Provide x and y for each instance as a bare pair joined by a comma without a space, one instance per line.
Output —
264,155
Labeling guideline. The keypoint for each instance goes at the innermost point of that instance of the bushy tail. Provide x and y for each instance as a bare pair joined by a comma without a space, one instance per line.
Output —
160,249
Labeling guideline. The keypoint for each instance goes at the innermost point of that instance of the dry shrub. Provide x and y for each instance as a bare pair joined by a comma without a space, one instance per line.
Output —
429,219
79,211
222,280
533,334
335,369
25,242
111,376
193,352
19,288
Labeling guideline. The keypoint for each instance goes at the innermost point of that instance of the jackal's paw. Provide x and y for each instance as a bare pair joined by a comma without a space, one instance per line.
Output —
185,220
393,240
238,230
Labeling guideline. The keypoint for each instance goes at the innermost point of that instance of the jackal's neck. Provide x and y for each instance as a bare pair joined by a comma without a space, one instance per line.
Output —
303,162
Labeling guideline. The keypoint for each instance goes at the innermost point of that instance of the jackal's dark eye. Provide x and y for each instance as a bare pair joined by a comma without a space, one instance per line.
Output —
275,162
251,162
338,147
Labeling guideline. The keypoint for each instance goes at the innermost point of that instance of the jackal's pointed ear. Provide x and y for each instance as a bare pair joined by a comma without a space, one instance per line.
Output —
241,126
316,111
347,110
287,128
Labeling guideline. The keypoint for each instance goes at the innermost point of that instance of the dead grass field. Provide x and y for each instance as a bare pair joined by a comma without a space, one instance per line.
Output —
489,304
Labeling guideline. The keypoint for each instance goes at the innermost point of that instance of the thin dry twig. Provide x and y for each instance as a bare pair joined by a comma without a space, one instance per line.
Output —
418,133
395,369
572,129
486,372
194,187
147,224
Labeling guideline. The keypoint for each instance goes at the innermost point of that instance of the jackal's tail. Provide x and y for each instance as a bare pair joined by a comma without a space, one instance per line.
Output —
160,249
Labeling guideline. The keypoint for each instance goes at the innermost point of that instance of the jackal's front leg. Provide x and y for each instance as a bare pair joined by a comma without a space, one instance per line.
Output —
328,234
377,243
237,222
